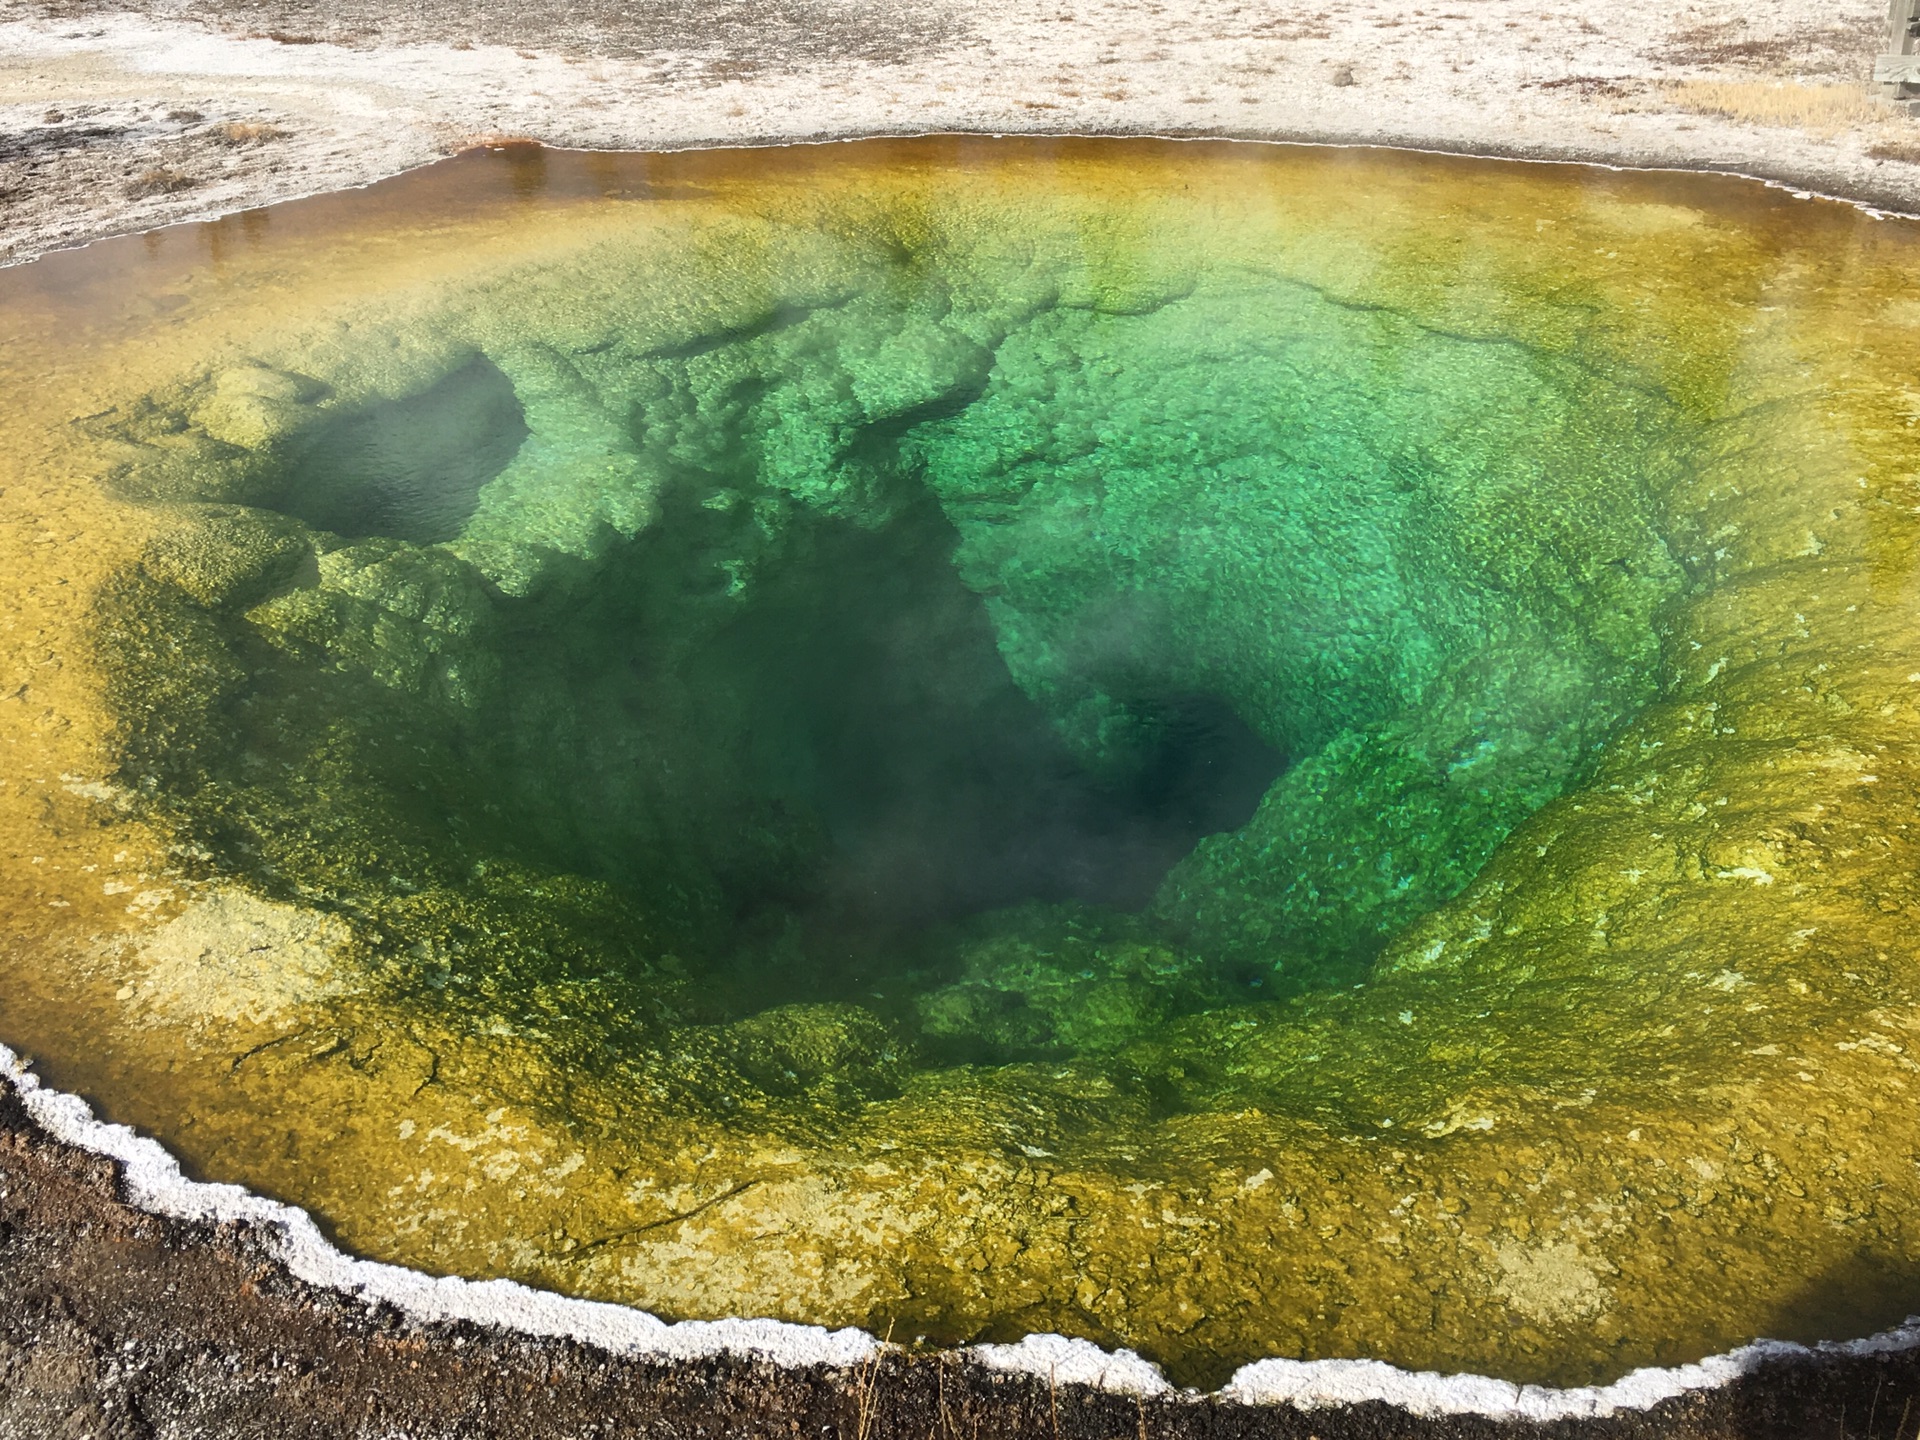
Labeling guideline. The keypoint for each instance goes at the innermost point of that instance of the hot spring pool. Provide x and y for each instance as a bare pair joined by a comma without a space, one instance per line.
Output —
1235,751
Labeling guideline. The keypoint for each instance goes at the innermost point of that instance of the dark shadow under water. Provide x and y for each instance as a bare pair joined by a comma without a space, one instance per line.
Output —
836,722
410,469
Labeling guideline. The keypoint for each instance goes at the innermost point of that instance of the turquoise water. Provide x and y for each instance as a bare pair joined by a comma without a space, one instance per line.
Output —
1246,620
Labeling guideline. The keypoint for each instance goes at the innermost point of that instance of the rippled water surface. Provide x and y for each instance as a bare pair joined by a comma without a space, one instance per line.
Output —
1238,751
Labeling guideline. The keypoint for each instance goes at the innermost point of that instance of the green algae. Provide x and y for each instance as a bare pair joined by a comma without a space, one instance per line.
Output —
1236,772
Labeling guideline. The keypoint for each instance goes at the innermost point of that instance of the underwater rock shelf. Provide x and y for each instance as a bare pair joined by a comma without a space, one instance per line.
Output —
1233,751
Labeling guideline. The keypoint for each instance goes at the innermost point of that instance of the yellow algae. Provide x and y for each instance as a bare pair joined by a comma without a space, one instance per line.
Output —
234,956
374,839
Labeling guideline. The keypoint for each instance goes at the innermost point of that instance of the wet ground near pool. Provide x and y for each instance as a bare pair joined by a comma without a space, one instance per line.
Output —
1236,751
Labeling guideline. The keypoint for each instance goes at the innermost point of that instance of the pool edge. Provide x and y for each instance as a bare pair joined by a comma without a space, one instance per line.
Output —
150,1180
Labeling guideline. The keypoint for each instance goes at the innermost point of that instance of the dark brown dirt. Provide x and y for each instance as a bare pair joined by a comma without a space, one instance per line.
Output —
120,1325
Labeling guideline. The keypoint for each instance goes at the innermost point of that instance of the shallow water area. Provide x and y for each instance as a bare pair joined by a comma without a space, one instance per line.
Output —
1234,750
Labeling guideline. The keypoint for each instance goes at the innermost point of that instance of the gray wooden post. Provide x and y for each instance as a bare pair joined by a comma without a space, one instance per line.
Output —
1897,72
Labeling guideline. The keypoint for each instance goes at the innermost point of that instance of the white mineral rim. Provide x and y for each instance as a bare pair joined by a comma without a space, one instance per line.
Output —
155,1184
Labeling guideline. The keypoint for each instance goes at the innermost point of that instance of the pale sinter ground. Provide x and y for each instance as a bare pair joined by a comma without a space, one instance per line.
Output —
118,117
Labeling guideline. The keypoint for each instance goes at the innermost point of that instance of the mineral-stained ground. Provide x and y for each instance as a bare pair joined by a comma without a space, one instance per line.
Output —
1231,752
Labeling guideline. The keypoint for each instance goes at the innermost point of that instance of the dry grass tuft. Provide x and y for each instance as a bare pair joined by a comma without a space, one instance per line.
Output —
1590,87
246,132
160,180
1290,28
1907,152
1833,49
866,1386
1820,108
730,69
